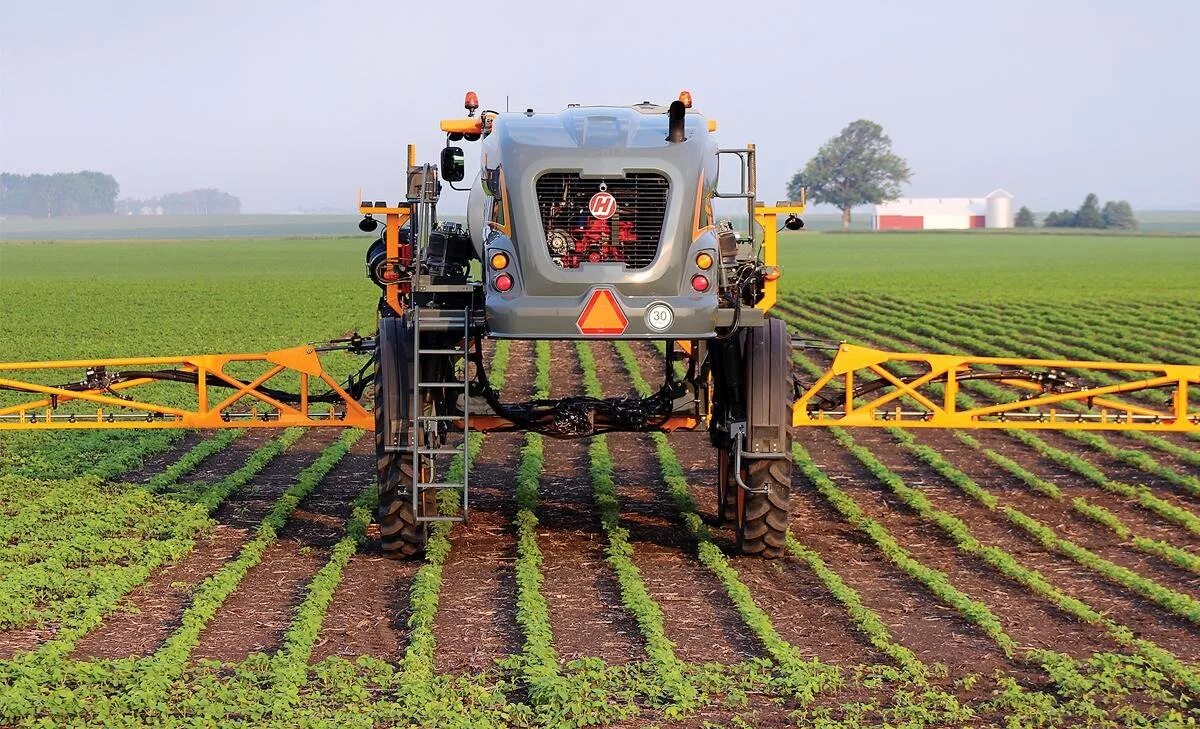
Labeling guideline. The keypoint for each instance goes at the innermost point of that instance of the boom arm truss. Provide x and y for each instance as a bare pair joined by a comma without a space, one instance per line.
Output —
861,388
198,391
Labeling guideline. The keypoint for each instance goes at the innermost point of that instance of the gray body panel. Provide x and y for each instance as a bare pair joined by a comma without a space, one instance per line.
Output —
595,143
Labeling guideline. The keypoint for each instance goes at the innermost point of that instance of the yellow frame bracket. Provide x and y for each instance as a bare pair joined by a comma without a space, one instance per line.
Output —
836,397
37,406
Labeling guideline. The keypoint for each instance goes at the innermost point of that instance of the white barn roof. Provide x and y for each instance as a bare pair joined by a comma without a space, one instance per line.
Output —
933,206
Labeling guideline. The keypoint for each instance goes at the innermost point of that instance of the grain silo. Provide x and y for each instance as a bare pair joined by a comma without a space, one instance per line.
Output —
999,212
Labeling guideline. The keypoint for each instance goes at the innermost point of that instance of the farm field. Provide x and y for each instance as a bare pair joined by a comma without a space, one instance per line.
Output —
274,225
932,578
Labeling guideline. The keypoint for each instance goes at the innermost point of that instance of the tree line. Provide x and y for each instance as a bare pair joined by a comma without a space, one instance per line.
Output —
95,193
63,193
1115,215
206,201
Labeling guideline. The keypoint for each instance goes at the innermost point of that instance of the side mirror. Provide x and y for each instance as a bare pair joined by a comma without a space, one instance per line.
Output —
454,164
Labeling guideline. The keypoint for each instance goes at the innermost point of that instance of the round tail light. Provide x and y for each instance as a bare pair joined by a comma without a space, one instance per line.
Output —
700,283
503,283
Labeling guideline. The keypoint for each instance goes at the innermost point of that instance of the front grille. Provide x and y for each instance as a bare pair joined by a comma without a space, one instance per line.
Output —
575,237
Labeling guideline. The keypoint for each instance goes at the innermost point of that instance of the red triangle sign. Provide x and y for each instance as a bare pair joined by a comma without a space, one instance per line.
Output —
602,315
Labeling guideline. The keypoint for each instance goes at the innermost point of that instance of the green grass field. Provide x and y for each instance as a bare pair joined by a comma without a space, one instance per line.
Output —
931,580
994,267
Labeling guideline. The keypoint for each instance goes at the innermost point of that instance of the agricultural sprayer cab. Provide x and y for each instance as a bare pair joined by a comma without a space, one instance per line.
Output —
590,223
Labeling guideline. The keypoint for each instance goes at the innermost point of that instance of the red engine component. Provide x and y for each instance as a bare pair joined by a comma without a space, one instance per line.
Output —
594,244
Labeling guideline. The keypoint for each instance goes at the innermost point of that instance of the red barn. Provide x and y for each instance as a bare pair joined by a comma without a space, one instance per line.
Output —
946,213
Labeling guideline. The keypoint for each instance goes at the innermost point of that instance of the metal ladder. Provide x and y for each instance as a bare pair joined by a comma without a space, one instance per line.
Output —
424,437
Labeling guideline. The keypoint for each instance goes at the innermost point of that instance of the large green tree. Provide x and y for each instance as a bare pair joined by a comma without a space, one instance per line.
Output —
857,167
63,193
1089,215
1118,214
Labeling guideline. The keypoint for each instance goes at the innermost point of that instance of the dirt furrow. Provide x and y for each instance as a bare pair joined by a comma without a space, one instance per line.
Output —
586,615
258,613
801,610
1118,603
476,620
1057,514
1138,518
159,461
368,615
154,609
699,617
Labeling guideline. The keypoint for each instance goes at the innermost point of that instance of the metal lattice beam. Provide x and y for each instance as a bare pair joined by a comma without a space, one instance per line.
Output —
859,389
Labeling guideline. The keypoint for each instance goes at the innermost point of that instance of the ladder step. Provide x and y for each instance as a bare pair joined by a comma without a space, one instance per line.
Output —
441,351
442,325
439,485
441,384
436,451
440,418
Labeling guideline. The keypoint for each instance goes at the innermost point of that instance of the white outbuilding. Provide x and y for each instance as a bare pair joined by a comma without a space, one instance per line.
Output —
995,210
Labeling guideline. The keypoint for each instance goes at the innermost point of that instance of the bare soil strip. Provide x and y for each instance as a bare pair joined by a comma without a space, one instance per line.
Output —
476,620
229,459
159,461
699,617
1069,523
1143,617
1140,519
154,609
935,632
257,614
800,609
369,612
586,615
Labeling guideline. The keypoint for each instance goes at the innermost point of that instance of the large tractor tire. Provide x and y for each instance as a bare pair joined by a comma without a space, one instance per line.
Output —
762,518
726,488
401,535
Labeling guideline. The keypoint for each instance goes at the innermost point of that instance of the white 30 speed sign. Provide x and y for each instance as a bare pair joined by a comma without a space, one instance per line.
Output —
659,317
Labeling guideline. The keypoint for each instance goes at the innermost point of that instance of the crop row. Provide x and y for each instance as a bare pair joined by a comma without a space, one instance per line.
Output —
206,448
1138,494
1080,690
1171,600
1086,508
91,544
147,680
801,678
1086,469
1153,547
635,597
1002,332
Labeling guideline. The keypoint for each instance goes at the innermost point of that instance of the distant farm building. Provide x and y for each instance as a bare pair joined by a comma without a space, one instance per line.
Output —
946,213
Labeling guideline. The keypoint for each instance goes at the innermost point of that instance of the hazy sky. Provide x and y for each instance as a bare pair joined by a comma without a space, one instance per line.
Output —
294,105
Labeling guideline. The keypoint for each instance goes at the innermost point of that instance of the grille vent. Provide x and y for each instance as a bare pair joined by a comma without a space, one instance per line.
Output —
631,236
